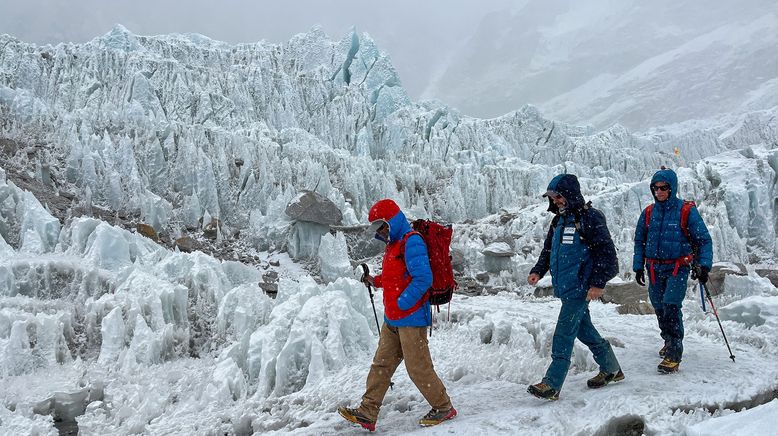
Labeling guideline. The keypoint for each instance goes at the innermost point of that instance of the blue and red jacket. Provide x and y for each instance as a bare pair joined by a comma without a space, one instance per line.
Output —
664,239
405,275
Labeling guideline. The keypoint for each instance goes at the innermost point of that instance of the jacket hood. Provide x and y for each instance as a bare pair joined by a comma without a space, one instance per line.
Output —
388,211
667,176
398,226
567,186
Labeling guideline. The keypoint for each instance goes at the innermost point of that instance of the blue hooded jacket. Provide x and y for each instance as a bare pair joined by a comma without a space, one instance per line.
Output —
664,239
418,264
578,248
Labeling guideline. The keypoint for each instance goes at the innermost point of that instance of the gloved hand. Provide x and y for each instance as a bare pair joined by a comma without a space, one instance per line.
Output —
367,279
640,277
700,273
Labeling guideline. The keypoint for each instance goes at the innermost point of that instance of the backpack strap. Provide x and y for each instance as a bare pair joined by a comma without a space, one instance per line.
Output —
577,220
685,211
649,209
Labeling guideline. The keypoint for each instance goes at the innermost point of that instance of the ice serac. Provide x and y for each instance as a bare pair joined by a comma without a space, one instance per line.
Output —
333,257
112,332
159,136
180,128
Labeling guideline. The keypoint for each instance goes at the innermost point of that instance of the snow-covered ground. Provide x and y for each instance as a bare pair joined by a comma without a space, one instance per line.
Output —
285,365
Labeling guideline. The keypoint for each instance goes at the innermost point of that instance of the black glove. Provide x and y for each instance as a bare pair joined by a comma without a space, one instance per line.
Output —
700,273
640,277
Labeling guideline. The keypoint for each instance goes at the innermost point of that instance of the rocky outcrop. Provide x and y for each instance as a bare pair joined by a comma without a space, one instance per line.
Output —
312,207
630,297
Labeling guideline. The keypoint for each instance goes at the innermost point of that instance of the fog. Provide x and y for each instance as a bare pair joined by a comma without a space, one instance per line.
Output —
600,62
418,35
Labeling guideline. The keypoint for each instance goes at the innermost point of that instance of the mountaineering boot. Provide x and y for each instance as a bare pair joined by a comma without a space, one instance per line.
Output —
355,416
435,417
663,351
543,391
666,366
603,378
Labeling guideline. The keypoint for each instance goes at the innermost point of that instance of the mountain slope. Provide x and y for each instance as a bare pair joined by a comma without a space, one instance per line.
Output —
605,62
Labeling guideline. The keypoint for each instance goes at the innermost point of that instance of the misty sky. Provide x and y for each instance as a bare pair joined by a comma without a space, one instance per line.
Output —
416,34
599,62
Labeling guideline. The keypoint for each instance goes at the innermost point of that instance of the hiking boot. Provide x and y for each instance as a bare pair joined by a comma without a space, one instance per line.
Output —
603,378
543,391
435,417
663,351
355,416
666,366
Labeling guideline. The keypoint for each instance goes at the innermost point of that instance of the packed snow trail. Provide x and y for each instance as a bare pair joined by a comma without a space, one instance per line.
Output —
488,382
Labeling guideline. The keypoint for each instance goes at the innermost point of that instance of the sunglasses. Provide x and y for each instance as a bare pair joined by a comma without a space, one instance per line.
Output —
660,188
553,195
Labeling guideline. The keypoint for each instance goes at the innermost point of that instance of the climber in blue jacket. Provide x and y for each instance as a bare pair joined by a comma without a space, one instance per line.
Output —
580,254
670,238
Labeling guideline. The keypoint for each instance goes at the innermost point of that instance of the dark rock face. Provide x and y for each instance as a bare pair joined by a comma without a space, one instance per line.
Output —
312,207
638,308
631,298
770,274
719,272
211,229
147,231
185,244
498,249
543,291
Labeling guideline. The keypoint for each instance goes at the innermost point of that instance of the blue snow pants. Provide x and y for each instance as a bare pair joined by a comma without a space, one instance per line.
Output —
666,293
576,322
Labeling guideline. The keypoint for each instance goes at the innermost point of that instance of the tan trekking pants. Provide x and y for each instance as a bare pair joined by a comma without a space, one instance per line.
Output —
396,344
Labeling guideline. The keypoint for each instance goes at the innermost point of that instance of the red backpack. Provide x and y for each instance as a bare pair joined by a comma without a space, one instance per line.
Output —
437,237
685,210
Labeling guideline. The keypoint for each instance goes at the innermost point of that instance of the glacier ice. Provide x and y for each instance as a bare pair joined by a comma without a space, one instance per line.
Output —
181,131
333,257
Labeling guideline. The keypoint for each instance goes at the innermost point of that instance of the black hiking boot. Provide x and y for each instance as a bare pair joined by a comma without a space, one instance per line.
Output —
543,391
355,416
603,378
663,351
435,417
667,366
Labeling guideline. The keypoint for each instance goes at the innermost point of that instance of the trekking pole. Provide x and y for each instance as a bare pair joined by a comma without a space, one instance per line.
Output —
695,274
710,300
702,298
366,272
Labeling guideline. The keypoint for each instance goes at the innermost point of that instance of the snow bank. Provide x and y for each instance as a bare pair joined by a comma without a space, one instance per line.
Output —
758,420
